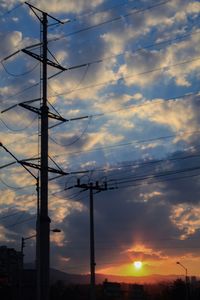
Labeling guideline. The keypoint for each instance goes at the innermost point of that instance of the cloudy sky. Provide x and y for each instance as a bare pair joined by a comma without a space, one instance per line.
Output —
137,89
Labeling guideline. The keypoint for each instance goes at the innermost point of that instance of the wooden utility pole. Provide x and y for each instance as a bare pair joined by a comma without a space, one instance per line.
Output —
91,187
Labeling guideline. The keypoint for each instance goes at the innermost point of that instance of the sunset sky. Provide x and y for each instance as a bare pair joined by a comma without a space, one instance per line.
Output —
138,92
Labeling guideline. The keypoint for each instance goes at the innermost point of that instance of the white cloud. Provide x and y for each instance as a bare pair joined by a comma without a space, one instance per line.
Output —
76,6
186,218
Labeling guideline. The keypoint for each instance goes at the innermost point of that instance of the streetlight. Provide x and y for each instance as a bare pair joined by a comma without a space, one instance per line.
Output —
178,263
186,278
55,230
23,239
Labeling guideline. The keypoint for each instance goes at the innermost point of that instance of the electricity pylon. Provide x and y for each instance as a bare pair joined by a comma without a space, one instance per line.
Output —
43,222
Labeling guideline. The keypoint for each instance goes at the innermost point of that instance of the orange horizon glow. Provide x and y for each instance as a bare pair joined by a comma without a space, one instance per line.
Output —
138,263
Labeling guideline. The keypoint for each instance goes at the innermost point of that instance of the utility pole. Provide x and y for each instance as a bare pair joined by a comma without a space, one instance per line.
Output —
23,239
43,222
91,187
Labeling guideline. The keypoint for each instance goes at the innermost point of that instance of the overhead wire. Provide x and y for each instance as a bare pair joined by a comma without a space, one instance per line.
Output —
151,176
76,139
140,163
100,60
92,13
21,74
129,76
117,181
146,103
18,219
140,49
79,82
150,7
167,1
158,4
64,36
72,196
195,93
125,108
12,9
14,187
23,90
121,17
129,143
16,205
20,129
94,85
155,181
21,222
10,215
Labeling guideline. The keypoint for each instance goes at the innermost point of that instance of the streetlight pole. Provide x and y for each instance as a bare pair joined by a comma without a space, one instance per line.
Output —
186,279
55,230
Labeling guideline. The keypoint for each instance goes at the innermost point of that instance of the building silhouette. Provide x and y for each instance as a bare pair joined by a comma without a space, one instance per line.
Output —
11,262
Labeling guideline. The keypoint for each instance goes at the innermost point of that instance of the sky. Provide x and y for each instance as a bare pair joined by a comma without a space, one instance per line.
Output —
136,86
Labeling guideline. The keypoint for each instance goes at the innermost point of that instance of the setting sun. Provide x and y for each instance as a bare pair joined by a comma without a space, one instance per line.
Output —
137,264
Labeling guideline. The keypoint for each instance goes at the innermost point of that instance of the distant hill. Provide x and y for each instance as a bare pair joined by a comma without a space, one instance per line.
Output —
56,275
85,279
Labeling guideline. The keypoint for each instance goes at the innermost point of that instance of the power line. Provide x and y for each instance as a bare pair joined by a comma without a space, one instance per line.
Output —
100,60
11,215
139,163
149,102
140,49
15,188
21,74
101,83
12,9
155,181
21,129
21,222
87,65
92,13
131,179
76,139
118,110
130,143
24,202
115,19
129,76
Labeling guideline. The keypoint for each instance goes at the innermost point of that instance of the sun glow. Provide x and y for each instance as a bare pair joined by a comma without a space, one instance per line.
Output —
137,264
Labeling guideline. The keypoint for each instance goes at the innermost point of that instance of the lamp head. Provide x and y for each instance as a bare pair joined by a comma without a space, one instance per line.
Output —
56,230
